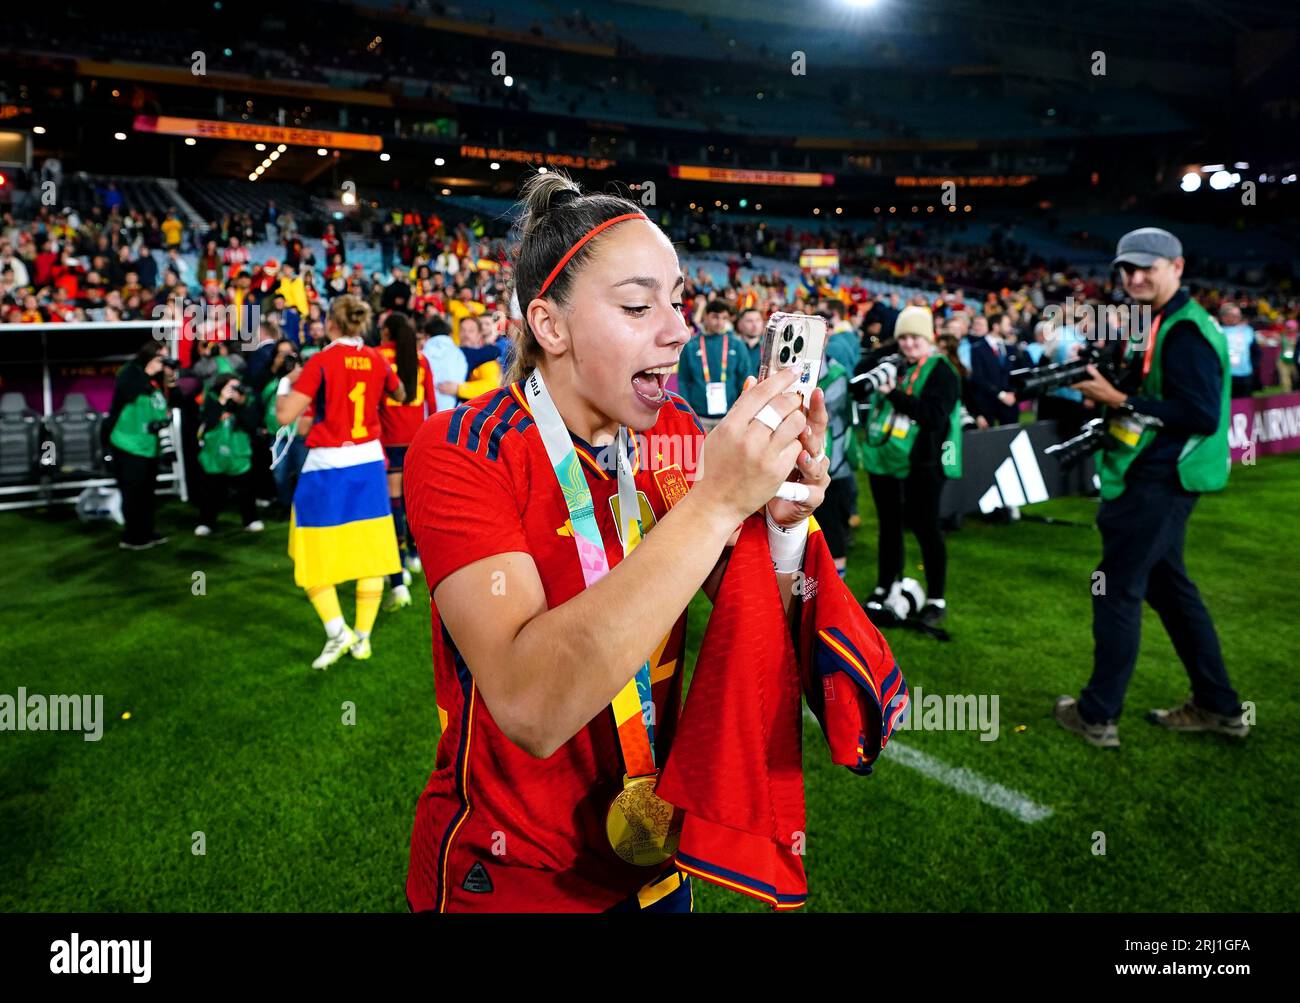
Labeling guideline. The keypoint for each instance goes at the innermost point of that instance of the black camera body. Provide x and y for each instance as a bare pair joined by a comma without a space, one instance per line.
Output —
166,444
1036,380
885,371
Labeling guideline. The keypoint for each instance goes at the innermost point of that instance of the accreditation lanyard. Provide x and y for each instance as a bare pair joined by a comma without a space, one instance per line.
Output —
704,358
632,705
1151,347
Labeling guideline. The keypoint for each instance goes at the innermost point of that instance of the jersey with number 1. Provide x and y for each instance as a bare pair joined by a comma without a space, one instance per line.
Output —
398,422
347,382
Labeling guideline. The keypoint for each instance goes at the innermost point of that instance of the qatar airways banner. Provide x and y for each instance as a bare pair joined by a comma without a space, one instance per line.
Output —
1264,425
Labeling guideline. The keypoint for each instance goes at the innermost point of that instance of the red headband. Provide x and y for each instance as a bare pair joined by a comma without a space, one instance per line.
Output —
578,246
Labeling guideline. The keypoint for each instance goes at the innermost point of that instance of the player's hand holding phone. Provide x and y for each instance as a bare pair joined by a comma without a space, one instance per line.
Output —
749,454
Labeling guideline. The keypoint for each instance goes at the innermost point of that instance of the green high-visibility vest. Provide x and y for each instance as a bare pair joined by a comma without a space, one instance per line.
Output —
1205,459
887,449
226,449
131,432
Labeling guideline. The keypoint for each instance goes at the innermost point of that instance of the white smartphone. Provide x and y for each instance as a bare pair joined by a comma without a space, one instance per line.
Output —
794,339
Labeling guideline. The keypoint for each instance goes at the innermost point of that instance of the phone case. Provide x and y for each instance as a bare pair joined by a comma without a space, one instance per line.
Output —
794,338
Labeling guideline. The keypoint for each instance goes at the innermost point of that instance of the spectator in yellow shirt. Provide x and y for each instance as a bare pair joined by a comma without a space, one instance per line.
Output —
172,229
461,307
293,289
482,377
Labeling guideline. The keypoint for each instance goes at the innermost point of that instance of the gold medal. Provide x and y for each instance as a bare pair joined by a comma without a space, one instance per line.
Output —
640,824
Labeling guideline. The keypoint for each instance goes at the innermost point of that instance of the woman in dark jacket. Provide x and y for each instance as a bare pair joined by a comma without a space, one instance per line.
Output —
913,443
139,412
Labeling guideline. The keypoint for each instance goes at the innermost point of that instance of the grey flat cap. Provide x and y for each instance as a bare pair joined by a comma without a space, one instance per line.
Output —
1142,247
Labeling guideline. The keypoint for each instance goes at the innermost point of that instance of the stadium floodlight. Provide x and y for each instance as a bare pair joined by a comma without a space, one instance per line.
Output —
438,161
508,80
743,203
275,155
1241,165
191,141
39,130
321,151
252,177
119,136
281,148
260,147
1191,181
494,166
446,191
817,212
266,162
542,170
839,210
349,197
1211,168
1220,180
860,4
385,157
758,207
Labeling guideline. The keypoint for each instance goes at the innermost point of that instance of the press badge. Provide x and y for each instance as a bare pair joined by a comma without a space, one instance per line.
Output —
715,398
902,424
1127,429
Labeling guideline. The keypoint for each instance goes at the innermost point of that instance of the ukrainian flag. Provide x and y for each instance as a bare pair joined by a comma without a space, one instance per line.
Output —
341,526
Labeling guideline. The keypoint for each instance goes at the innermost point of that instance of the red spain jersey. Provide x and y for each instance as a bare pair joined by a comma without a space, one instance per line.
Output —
346,381
398,423
497,829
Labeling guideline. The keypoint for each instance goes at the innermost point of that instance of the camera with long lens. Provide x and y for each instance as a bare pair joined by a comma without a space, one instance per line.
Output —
1092,438
166,442
1035,380
881,374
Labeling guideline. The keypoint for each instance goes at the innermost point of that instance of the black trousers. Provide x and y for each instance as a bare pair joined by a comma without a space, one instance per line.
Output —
913,502
1142,534
136,479
212,496
833,515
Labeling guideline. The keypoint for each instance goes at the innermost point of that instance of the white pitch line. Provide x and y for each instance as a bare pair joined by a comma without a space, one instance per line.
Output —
966,781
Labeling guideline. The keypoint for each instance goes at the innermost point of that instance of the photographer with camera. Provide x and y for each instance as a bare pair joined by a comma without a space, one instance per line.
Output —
138,413
1164,445
914,412
230,420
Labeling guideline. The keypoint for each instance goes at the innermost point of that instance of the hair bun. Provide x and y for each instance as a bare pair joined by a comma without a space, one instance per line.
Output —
563,197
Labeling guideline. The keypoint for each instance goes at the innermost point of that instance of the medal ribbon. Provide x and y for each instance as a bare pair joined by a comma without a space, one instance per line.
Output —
635,733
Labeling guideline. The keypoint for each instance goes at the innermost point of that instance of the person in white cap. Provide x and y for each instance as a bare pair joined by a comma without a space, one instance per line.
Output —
913,444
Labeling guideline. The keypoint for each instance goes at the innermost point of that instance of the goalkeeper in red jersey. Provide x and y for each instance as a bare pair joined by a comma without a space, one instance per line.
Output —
341,525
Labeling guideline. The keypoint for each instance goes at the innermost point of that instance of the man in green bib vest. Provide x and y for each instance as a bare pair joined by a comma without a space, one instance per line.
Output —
1167,444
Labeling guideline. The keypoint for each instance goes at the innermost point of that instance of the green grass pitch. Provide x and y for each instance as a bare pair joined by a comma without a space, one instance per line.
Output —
231,734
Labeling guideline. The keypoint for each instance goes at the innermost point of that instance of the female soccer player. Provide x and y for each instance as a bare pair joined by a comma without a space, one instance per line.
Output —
399,420
558,684
341,527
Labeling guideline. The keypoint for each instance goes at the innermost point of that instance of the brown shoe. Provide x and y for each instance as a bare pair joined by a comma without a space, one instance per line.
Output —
1190,717
1104,736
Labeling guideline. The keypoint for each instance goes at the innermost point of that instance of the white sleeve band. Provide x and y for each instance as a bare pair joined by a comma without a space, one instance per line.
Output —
787,545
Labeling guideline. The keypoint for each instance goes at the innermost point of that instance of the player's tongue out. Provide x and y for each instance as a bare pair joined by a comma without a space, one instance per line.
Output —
649,385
